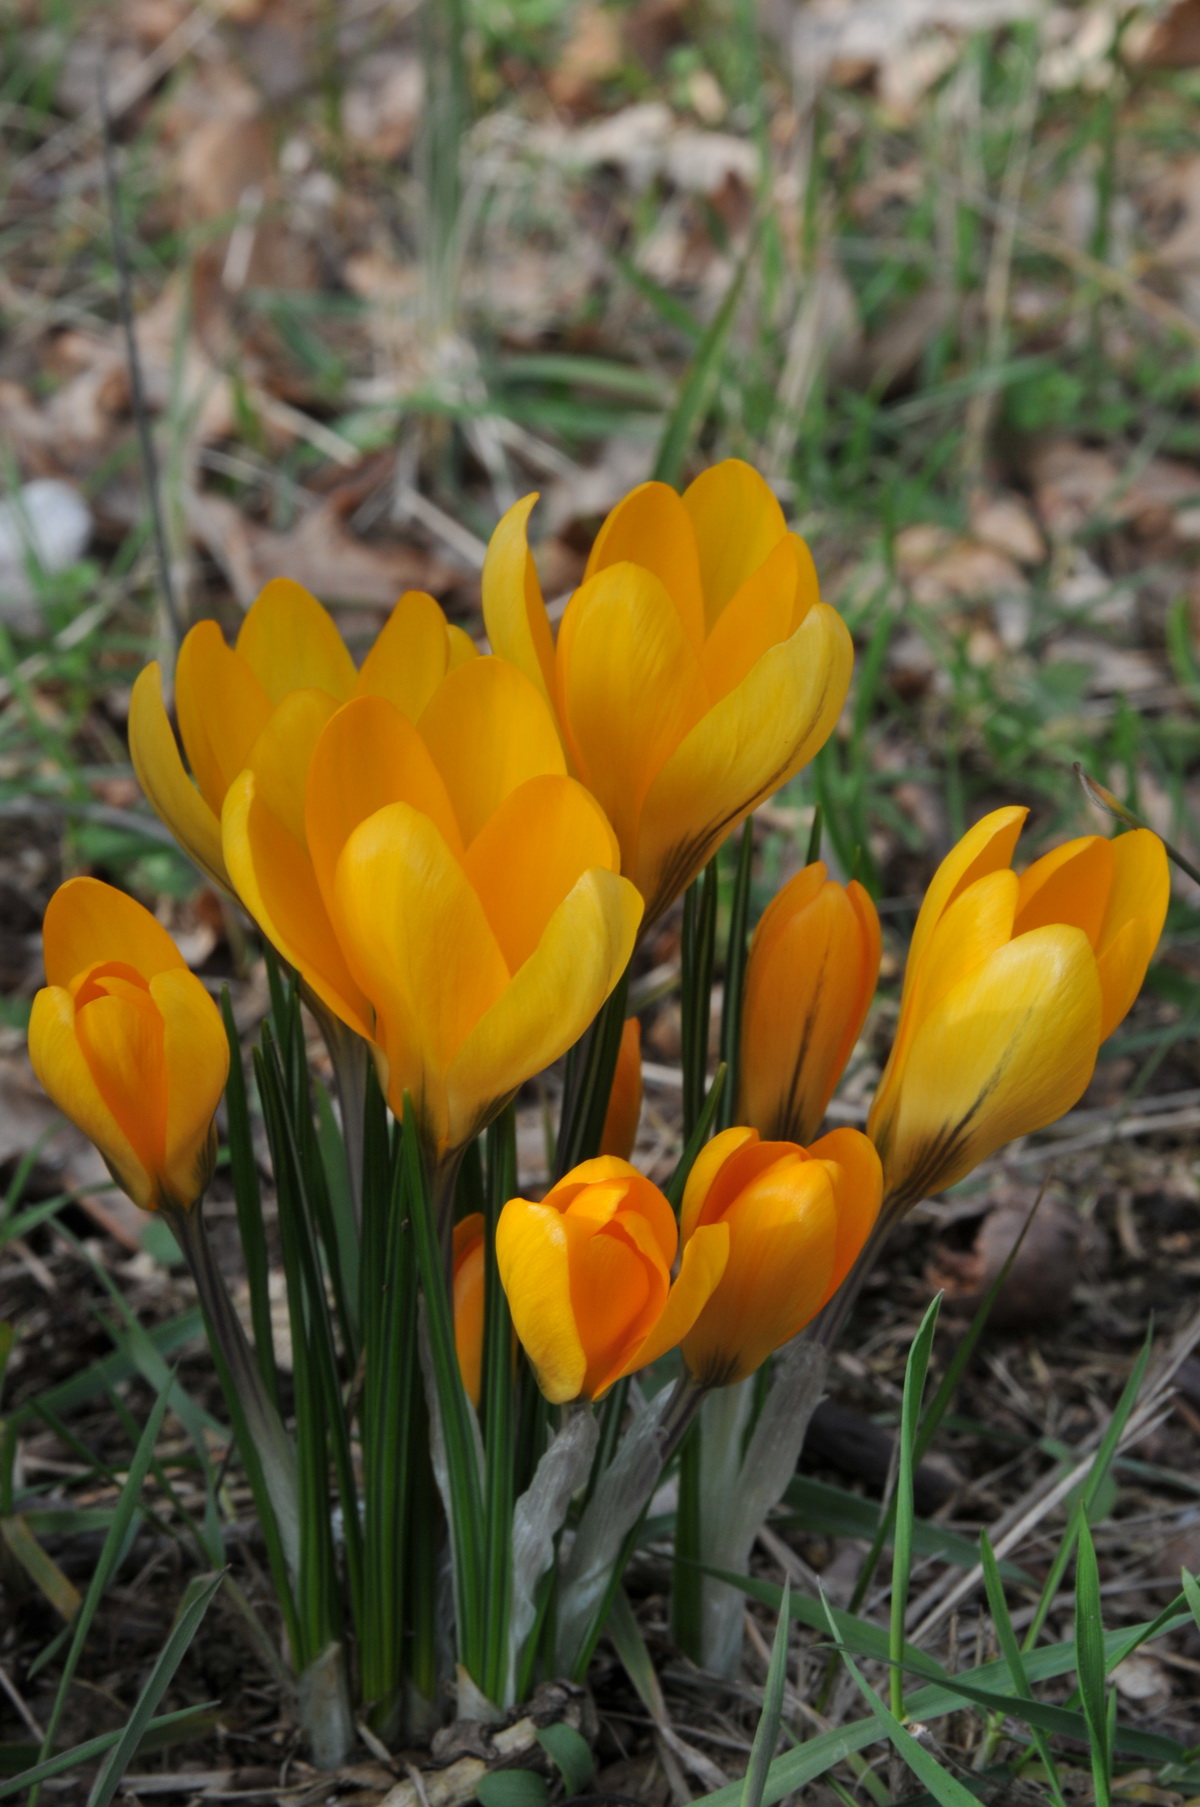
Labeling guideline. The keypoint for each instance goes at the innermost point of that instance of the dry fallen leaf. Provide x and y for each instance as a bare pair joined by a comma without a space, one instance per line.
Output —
1074,484
320,552
593,52
1006,523
1171,41
941,567
1036,1293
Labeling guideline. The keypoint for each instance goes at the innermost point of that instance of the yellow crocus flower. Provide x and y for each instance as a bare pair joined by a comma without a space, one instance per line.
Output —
797,1219
587,1273
696,669
1010,988
226,696
441,885
128,1043
810,977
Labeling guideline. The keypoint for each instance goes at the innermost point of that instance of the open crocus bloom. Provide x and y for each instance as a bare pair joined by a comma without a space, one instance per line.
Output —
1011,986
128,1043
797,1219
810,977
696,669
225,697
441,885
587,1273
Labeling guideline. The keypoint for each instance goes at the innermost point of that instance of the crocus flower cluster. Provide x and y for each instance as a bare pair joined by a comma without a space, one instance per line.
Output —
455,854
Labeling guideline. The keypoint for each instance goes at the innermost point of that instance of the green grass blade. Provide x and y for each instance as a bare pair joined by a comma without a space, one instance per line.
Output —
946,1789
696,959
1091,1663
735,975
591,1065
106,1567
247,1196
79,1754
674,1189
902,1549
1096,1479
498,1428
767,1731
1011,1651
990,1686
465,1505
1191,1593
198,1597
695,394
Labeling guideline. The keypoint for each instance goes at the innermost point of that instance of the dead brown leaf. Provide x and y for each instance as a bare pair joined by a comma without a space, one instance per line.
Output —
1173,41
940,567
1074,485
593,53
1036,1294
320,552
1006,523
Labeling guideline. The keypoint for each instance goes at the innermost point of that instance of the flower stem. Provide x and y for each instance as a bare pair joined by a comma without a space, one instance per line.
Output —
265,1444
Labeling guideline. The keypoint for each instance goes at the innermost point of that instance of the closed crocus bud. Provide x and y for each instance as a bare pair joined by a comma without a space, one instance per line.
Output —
128,1043
440,884
587,1273
696,669
226,696
468,1280
625,1099
796,1218
810,977
1011,986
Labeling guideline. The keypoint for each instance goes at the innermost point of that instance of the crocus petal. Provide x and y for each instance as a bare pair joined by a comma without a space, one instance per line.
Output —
856,1176
1007,1051
1133,921
703,1264
630,687
737,521
63,1072
705,1168
782,1236
409,658
368,756
290,643
513,610
1071,883
651,527
583,951
809,985
222,710
88,922
274,878
161,774
488,731
759,616
544,836
419,944
750,743
531,1253
984,848
616,1295
196,1062
121,1036
283,753
459,646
